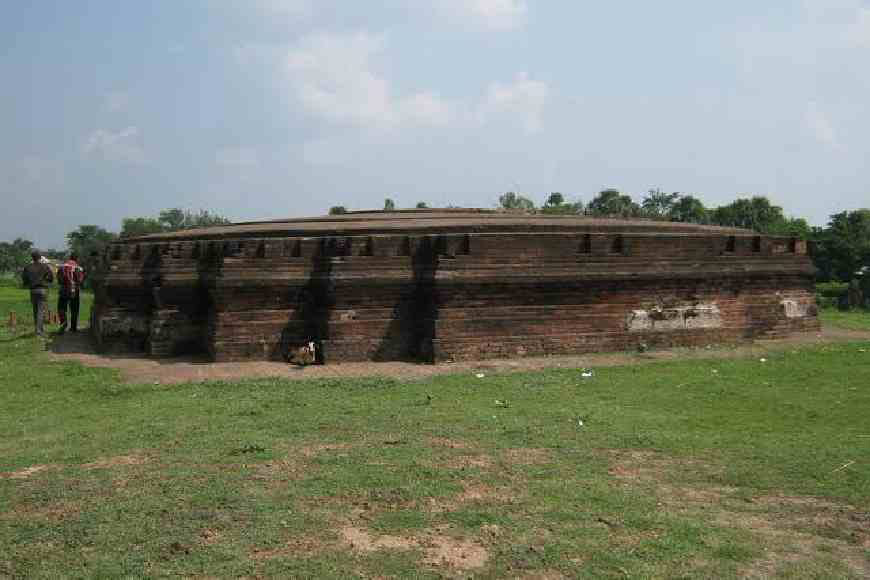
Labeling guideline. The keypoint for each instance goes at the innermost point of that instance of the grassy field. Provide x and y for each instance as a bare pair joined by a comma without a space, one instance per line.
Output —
856,320
694,469
14,298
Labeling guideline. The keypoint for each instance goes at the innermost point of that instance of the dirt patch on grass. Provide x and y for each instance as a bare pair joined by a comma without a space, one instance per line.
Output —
58,511
483,493
280,471
454,553
296,464
294,547
361,540
449,443
26,472
310,451
466,460
209,537
139,369
791,530
642,465
528,456
439,549
116,461
469,461
473,492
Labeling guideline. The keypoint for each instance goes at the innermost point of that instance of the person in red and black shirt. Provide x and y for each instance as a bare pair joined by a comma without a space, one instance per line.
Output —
70,277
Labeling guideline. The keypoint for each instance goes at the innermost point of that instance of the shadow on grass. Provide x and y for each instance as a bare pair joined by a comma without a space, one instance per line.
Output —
80,343
18,337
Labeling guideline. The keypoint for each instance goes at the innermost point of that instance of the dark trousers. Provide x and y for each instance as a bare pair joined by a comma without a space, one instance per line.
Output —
38,301
70,299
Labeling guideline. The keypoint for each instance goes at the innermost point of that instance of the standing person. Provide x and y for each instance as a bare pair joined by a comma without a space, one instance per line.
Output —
70,277
38,277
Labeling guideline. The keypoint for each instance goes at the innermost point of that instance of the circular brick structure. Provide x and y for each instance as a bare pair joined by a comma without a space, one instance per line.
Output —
435,285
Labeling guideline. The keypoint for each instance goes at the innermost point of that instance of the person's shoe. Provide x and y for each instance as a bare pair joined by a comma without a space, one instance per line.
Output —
73,329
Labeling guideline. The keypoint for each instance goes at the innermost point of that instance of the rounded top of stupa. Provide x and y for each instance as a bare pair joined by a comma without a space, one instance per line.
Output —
434,221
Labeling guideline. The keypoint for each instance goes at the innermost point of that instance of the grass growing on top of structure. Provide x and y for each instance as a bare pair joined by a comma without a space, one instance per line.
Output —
694,469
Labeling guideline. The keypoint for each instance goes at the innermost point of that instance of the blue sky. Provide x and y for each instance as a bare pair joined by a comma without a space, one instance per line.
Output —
281,108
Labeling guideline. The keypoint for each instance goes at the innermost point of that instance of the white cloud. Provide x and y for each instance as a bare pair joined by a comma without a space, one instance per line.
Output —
493,14
240,157
523,100
820,126
333,77
122,146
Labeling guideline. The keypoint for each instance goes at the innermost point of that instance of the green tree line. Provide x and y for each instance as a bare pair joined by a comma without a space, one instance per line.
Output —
89,241
841,249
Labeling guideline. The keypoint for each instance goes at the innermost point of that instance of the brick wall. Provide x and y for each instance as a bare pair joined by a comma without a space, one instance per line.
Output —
450,296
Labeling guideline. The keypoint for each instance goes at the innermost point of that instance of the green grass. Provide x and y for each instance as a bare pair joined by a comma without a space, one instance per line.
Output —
688,469
14,298
850,320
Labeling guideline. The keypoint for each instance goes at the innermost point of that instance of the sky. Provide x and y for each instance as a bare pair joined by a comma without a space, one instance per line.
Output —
264,109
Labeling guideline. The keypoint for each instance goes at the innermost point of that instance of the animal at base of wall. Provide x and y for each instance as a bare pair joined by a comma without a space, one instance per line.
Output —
303,356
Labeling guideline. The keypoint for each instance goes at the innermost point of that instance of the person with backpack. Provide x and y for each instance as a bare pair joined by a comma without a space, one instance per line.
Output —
37,276
70,277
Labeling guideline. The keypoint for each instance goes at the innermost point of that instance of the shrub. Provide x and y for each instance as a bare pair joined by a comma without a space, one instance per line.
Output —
828,294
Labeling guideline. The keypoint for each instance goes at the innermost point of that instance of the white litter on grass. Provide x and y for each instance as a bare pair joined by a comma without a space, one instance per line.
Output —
714,371
480,375
586,373
762,360
579,422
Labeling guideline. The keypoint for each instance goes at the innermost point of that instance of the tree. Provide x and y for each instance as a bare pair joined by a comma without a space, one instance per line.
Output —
511,200
203,219
337,210
175,219
14,255
843,247
555,199
170,220
422,205
389,204
658,204
611,203
88,242
556,204
756,213
794,227
140,226
688,209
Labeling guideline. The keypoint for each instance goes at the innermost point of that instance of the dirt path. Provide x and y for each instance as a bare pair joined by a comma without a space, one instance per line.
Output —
135,369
